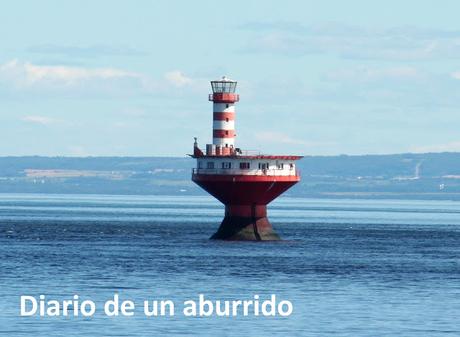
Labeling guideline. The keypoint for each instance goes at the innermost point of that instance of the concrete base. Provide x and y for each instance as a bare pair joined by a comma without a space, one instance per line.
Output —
246,223
245,229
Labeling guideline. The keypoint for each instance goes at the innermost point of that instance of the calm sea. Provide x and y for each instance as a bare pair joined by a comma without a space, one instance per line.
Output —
349,267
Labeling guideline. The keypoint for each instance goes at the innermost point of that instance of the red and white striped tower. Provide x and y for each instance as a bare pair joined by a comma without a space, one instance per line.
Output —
244,182
223,128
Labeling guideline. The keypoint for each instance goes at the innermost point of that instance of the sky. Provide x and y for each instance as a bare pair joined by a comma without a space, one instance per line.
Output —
131,78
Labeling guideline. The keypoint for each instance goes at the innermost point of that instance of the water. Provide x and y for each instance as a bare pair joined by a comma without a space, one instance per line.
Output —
350,267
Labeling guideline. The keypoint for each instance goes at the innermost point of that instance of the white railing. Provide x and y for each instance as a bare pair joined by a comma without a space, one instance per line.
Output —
270,172
240,152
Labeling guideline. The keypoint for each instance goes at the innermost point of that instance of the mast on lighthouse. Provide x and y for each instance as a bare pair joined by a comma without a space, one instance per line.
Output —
245,183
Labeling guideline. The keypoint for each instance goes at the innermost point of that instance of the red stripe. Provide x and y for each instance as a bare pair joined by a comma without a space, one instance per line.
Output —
224,97
223,133
222,116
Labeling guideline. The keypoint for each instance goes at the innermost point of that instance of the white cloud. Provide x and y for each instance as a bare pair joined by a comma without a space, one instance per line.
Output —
397,43
25,74
134,112
274,141
17,78
447,147
177,78
90,51
78,151
42,120
456,75
279,42
372,74
278,137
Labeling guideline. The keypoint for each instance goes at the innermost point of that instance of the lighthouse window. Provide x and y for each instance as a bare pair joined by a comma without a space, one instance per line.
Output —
280,166
245,166
227,105
217,86
226,165
200,164
210,165
291,166
226,132
226,119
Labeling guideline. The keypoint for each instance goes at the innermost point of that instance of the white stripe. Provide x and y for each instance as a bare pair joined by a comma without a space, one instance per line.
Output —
223,125
222,107
223,141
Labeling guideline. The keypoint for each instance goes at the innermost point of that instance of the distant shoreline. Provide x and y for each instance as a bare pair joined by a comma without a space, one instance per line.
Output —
326,196
429,176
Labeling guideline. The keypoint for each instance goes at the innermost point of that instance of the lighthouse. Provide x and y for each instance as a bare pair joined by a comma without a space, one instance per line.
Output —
244,181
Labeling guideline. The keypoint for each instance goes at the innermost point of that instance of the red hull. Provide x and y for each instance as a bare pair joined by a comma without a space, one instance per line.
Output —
244,190
245,198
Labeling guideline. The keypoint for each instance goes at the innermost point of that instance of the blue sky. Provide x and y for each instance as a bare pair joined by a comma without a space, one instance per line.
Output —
131,78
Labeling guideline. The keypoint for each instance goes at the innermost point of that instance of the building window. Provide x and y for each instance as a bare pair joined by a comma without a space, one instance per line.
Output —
263,166
226,119
245,166
226,165
200,164
210,165
226,132
280,166
291,166
227,105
